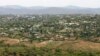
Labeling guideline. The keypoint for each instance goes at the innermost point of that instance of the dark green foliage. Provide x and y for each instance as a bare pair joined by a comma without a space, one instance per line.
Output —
34,51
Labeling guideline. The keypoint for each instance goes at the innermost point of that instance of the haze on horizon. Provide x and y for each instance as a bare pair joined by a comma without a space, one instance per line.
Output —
52,3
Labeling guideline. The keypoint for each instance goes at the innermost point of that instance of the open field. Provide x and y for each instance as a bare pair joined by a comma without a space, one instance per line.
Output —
49,48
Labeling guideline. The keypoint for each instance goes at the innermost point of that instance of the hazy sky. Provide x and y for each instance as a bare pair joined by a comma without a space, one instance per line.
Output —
50,3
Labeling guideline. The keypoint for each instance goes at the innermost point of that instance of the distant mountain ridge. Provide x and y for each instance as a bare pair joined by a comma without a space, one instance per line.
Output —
14,9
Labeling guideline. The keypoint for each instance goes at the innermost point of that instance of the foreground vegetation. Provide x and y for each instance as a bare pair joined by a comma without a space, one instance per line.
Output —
55,48
23,51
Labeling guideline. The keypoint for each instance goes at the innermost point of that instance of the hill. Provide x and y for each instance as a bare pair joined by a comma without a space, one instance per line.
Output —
14,9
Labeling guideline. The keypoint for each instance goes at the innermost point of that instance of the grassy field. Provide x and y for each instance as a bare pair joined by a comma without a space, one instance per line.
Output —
10,47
